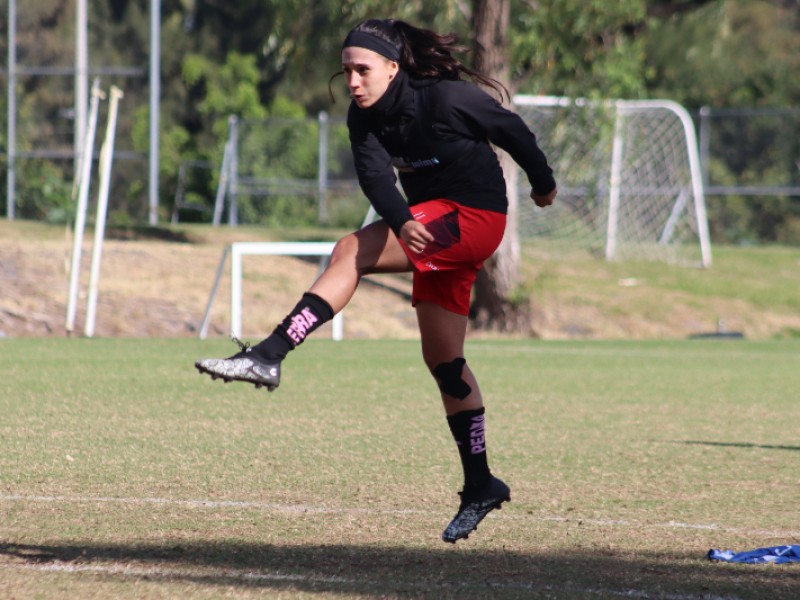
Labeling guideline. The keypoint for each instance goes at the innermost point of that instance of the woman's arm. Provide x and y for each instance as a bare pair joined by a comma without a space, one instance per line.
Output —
376,175
486,118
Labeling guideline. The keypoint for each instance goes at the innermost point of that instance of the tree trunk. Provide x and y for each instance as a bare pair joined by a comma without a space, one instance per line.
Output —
492,307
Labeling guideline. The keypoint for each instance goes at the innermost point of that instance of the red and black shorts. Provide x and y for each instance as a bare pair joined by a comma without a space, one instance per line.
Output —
464,238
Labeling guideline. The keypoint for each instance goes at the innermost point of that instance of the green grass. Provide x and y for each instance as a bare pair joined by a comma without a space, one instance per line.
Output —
766,277
751,289
125,474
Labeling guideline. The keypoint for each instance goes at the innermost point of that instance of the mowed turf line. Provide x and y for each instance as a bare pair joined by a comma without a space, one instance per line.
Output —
125,474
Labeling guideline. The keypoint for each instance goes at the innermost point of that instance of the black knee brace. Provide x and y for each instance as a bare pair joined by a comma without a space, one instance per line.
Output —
450,381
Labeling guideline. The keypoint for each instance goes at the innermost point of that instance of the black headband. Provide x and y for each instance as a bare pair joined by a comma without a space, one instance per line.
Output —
361,39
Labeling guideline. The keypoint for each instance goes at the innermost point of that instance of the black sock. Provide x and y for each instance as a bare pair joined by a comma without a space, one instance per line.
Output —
309,314
468,431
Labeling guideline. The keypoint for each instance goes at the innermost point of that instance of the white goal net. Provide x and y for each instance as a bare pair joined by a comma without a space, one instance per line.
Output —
629,180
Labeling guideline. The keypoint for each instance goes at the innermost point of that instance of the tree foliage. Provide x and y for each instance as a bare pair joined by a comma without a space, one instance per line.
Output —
256,57
578,48
726,54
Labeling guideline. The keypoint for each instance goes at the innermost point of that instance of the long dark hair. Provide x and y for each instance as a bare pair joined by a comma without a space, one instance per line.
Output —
424,54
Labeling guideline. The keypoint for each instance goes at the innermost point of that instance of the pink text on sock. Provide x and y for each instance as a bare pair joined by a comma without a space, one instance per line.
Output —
301,323
477,435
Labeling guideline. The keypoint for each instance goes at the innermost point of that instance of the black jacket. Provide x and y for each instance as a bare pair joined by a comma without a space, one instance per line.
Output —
437,134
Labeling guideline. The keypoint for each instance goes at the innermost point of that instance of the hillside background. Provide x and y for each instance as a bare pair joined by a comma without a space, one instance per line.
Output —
156,282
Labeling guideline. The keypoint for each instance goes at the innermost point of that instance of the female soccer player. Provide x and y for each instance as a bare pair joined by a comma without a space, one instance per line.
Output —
413,114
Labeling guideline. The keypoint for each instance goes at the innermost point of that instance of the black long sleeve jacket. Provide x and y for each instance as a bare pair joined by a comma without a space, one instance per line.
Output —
437,134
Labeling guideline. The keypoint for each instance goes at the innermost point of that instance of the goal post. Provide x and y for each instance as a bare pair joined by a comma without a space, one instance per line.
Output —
629,176
240,249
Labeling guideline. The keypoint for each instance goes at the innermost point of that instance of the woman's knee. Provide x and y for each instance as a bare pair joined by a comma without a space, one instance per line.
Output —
351,252
453,378
345,249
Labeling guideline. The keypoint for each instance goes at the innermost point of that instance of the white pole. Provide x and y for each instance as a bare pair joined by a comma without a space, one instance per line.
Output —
207,316
698,187
337,333
106,162
233,183
322,173
12,110
80,211
81,80
613,200
155,95
222,186
236,290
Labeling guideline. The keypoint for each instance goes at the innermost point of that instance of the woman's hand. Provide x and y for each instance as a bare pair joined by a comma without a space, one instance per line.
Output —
544,200
415,235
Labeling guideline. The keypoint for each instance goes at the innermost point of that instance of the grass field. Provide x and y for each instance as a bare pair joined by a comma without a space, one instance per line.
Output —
125,474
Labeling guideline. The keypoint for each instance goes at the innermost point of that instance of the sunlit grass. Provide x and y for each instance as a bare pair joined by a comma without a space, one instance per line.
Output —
627,462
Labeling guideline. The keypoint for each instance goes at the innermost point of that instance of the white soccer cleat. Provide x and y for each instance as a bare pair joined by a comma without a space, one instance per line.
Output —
243,366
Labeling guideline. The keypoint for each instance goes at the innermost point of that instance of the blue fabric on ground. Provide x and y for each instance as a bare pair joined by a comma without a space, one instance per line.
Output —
775,554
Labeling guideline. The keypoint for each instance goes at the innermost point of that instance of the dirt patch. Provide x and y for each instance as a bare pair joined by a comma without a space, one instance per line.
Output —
159,286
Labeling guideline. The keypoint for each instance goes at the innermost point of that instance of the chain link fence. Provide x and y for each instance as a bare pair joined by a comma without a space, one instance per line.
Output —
279,172
751,173
44,162
287,172
299,171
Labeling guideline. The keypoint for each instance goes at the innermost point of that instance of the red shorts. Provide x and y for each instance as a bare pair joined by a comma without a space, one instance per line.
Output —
463,238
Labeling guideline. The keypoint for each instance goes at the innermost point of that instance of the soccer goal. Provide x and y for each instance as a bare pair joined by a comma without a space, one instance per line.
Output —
240,249
629,179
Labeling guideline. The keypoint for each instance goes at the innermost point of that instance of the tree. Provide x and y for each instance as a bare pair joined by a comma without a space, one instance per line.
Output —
726,55
500,274
585,36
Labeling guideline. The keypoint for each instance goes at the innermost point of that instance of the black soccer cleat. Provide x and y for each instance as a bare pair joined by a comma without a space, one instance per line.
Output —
475,505
243,366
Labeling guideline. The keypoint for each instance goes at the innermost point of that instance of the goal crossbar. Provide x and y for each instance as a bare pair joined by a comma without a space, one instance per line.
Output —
237,251
630,169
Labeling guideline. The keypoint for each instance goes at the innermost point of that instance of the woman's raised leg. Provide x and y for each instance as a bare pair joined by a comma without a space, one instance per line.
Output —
372,249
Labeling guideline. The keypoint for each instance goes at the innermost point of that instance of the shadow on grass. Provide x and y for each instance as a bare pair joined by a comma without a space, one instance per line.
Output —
736,445
380,571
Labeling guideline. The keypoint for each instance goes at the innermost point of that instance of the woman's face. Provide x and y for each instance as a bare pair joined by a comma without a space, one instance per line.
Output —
367,74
